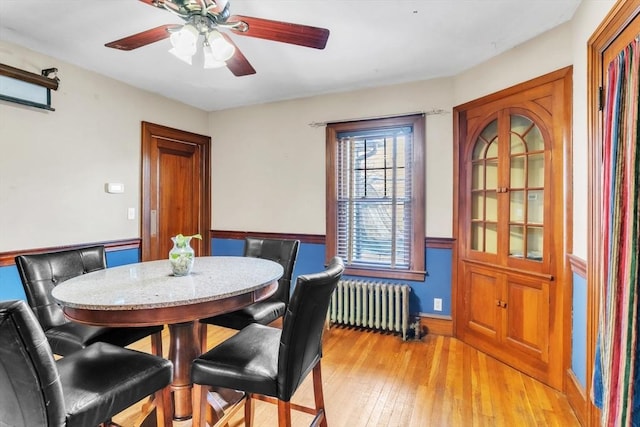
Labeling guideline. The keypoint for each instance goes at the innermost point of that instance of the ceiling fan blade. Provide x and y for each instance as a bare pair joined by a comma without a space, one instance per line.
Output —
238,63
144,38
285,32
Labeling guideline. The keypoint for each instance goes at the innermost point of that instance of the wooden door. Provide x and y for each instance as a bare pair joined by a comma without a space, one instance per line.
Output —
510,224
175,189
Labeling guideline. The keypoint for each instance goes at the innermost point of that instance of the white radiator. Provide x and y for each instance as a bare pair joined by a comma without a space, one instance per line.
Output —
373,305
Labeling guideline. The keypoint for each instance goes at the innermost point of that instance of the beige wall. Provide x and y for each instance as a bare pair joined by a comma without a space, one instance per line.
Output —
585,22
268,161
249,174
548,52
54,165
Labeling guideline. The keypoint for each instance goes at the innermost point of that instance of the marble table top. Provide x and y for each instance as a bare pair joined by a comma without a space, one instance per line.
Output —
152,285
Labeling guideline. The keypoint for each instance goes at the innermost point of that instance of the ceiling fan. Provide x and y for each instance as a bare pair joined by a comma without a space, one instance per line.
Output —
206,18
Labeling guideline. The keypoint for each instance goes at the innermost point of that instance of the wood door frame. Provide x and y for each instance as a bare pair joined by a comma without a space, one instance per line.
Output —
149,132
565,220
612,26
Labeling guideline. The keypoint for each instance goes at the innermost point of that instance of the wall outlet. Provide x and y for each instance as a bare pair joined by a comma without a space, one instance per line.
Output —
131,213
437,304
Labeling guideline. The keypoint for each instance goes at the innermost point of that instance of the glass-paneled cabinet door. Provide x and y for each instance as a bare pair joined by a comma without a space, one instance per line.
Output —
526,189
484,191
508,189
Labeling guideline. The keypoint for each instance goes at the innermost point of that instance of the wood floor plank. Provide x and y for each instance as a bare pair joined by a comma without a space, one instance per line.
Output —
376,380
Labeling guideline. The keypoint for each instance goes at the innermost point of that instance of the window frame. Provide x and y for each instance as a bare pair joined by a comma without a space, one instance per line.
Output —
416,270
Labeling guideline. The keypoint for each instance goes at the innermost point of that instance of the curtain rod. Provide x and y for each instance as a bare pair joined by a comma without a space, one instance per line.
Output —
432,112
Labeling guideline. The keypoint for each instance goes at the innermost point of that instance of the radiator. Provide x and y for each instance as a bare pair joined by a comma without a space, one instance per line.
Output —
373,305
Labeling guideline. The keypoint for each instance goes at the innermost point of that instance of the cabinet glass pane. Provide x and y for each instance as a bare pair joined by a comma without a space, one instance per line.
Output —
516,241
535,206
491,212
517,145
536,170
477,233
492,174
516,206
492,151
534,139
517,172
534,243
520,125
477,206
490,132
479,149
477,176
491,237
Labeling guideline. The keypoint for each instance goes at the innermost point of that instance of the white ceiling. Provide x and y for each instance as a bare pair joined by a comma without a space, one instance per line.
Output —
372,43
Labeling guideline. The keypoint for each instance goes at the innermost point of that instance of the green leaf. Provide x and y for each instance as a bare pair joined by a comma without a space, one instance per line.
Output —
181,241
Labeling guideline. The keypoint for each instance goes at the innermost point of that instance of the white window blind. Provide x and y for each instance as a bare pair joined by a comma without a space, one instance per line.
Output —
374,196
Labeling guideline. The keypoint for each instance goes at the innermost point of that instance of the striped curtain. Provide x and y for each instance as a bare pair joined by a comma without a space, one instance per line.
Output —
616,385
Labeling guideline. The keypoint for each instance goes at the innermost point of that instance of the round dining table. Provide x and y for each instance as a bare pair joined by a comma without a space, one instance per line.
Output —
147,293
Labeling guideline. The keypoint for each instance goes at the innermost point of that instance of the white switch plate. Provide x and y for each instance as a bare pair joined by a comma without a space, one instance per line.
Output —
114,187
131,213
437,304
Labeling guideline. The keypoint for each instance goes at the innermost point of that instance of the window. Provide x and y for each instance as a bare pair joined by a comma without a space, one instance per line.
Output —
27,88
375,196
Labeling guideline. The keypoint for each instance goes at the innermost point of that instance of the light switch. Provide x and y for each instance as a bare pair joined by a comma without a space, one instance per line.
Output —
131,213
114,187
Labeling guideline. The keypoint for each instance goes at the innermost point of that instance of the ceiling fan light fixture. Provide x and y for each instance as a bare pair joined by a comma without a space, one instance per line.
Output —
210,60
221,49
184,40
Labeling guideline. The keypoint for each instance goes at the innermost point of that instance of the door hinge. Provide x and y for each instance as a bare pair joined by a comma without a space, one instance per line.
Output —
600,98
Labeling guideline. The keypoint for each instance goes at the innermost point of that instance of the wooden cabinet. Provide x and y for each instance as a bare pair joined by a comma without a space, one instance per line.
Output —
510,224
506,314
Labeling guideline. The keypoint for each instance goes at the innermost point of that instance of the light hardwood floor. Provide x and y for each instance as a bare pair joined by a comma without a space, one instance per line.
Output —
374,380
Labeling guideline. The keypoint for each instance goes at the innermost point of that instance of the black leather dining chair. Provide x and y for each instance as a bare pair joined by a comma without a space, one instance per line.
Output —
270,363
83,389
39,274
282,251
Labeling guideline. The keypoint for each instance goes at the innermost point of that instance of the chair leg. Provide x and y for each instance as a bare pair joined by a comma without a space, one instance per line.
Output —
147,408
284,414
199,405
318,394
156,344
248,410
202,327
164,412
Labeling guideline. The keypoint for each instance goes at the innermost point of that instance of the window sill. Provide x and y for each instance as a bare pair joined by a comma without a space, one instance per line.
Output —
415,276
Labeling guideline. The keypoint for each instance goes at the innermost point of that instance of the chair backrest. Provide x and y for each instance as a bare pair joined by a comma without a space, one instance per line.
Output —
30,389
282,251
303,325
41,272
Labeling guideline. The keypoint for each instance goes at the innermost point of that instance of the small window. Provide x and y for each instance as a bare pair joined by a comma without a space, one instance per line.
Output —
375,196
23,87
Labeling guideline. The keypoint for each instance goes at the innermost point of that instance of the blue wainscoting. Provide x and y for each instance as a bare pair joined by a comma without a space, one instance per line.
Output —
310,255
11,286
122,257
311,258
579,330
